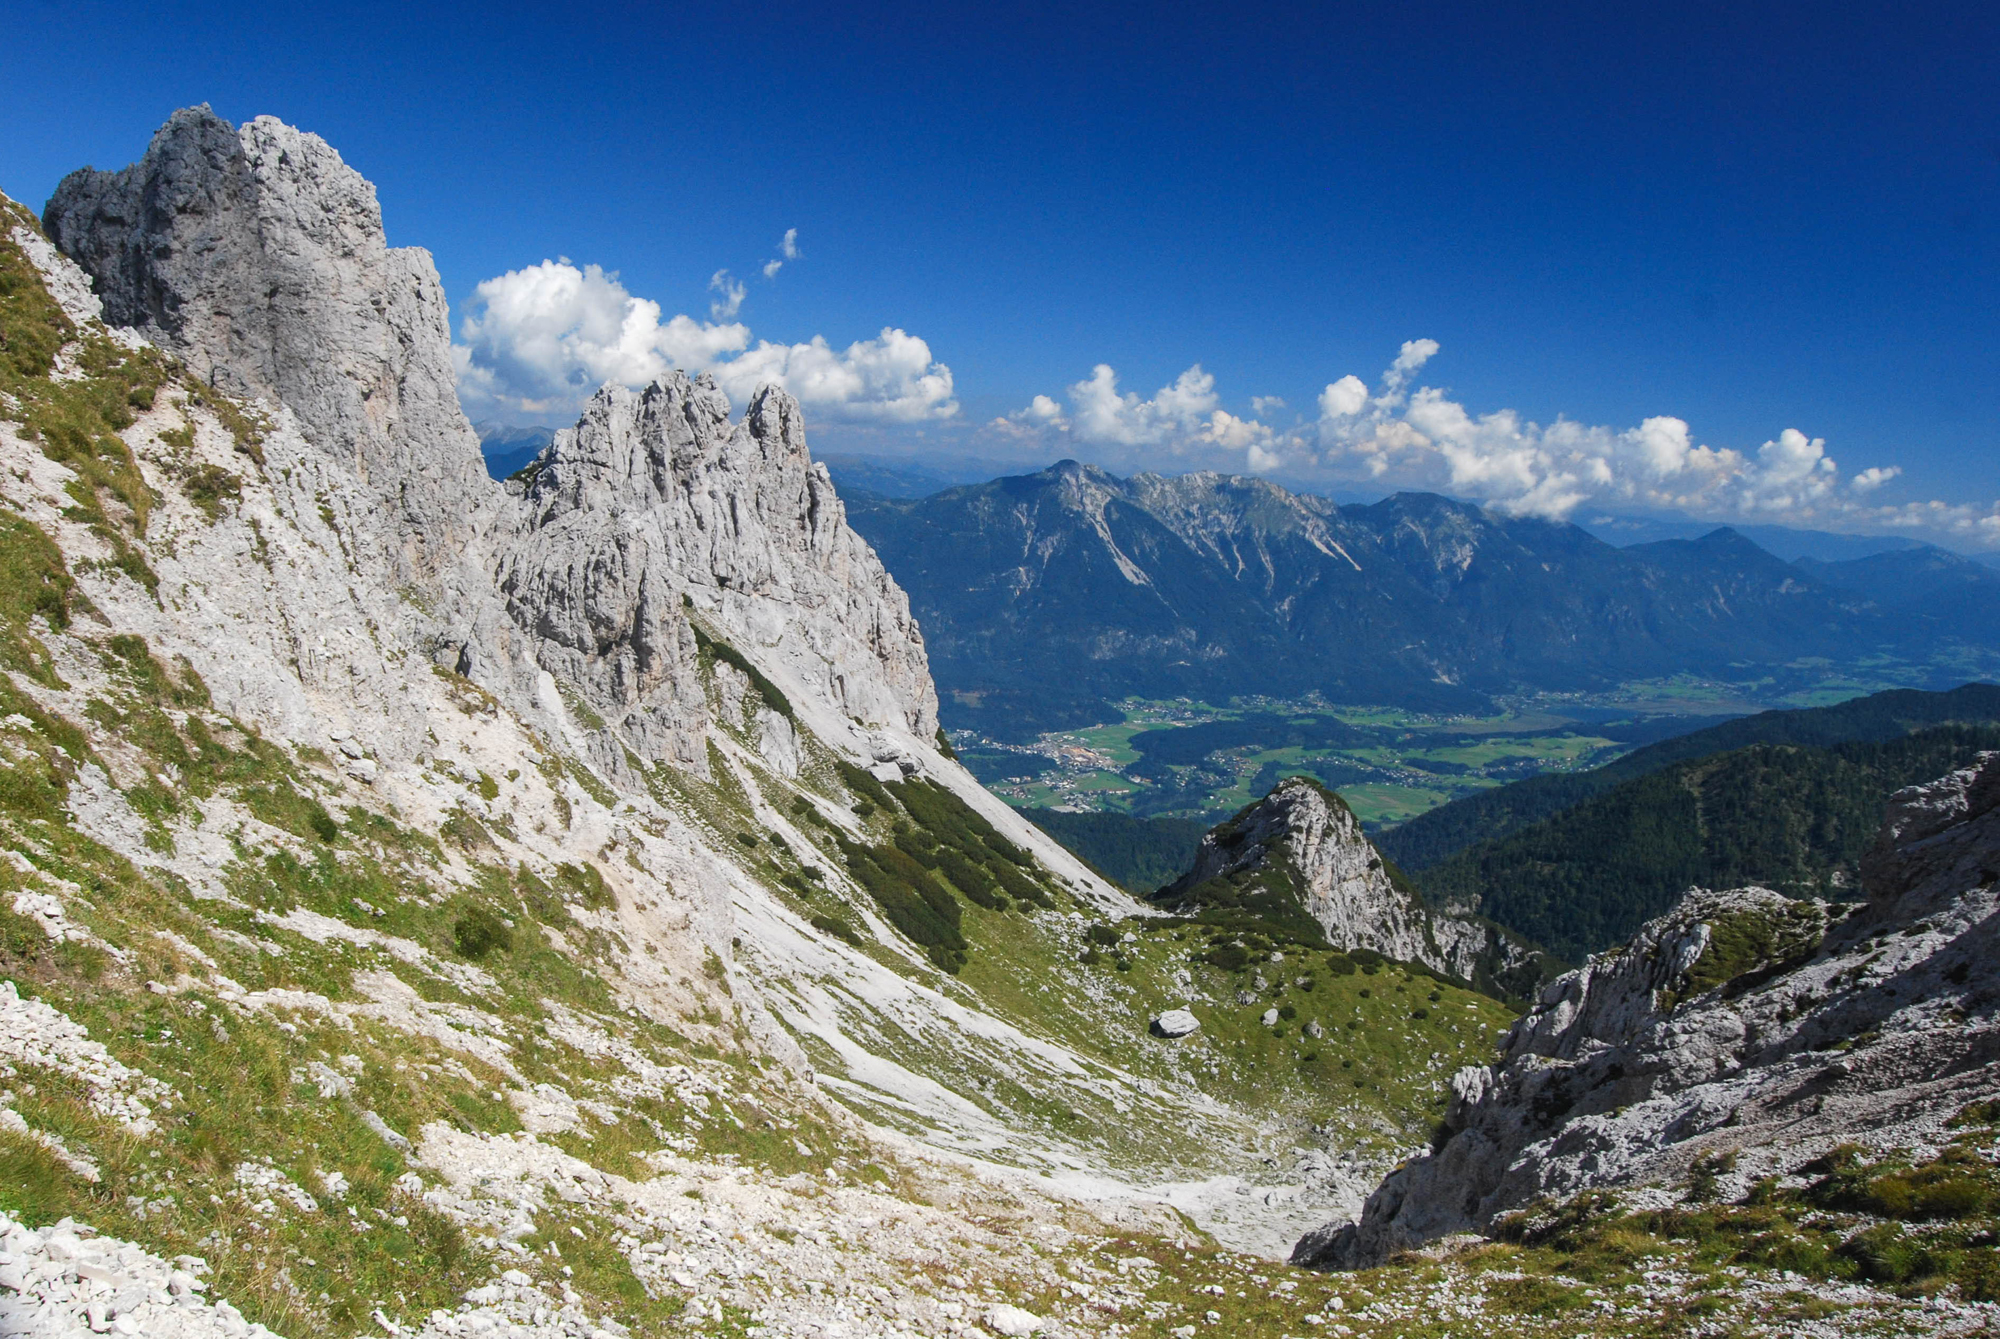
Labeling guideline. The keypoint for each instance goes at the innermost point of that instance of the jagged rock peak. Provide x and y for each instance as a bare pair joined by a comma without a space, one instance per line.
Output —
1736,1027
258,257
1299,855
1303,844
674,512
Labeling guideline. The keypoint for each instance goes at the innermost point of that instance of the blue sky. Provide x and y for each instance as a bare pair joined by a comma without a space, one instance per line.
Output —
1743,219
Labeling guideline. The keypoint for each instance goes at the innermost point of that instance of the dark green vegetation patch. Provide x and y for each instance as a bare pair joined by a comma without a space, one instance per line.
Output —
1494,814
717,649
940,849
1138,854
1789,817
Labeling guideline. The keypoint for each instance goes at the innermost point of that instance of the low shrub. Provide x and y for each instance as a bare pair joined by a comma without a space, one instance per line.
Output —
478,932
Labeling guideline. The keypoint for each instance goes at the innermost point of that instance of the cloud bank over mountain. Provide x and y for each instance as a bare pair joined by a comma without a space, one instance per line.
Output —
540,340
1403,434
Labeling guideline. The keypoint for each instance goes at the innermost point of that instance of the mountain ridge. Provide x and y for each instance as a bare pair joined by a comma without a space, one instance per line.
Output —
1213,586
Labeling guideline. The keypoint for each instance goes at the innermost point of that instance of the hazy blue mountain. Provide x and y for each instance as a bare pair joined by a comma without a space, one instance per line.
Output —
1043,595
1782,540
905,476
1944,589
507,447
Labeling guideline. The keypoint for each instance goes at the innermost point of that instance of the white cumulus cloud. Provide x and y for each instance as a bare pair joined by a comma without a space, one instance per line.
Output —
1402,434
1343,398
1183,418
541,340
890,378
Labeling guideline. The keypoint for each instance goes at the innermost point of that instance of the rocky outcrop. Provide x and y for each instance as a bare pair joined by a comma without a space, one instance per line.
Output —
258,257
1300,853
1739,1026
655,508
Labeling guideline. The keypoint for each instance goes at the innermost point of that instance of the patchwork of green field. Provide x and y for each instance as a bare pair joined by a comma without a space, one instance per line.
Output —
1806,683
1191,759
1205,760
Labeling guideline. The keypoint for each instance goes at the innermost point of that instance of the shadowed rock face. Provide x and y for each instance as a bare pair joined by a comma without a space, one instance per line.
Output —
258,257
1738,1023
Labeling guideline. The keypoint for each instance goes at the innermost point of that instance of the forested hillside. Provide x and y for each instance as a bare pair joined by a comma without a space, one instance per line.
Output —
1138,853
1790,817
1492,815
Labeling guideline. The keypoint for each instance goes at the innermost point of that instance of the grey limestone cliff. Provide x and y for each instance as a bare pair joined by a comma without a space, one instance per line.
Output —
258,257
655,507
1742,1023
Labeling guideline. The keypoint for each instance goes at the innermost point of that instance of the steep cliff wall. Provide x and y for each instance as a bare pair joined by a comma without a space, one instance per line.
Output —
258,257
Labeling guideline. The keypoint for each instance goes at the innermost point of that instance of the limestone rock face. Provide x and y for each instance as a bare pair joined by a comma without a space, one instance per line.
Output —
655,506
258,257
1739,1023
1301,829
1305,847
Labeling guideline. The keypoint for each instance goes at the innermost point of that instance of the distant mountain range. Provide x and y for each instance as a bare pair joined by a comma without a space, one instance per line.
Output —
903,477
1783,540
1044,596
